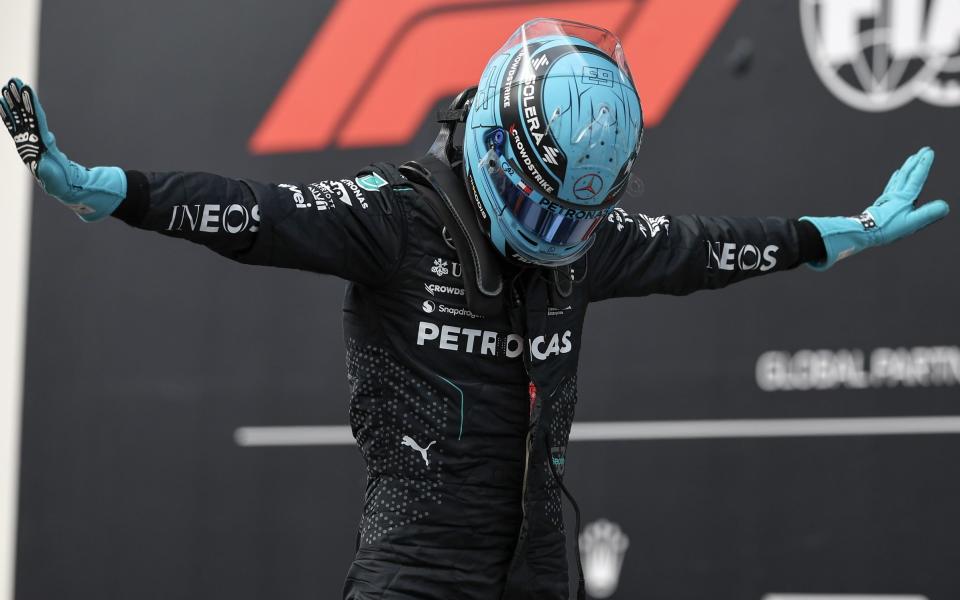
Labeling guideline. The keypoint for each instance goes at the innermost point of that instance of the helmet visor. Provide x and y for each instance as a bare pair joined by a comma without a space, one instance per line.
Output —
544,220
604,40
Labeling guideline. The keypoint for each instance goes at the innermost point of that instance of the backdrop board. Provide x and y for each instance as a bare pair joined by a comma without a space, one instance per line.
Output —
145,354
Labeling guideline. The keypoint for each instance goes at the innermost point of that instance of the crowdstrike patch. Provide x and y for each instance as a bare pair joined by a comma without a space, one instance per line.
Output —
435,288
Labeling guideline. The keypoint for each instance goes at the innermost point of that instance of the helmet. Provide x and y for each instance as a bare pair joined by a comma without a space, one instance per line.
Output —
550,139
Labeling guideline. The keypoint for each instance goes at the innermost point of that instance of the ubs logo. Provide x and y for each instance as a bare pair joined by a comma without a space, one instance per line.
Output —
877,55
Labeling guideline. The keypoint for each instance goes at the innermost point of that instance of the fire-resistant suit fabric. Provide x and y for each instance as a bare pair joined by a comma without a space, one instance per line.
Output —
462,419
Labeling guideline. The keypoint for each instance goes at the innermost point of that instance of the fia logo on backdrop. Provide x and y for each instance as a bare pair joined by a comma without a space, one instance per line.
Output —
603,546
878,55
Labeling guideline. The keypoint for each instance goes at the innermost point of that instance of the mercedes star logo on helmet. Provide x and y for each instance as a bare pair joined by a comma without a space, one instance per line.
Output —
588,186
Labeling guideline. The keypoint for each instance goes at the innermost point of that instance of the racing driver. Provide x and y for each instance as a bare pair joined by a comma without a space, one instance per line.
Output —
469,273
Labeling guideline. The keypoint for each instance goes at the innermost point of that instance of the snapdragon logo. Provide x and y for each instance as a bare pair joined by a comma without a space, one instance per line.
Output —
429,307
731,257
458,312
927,366
492,343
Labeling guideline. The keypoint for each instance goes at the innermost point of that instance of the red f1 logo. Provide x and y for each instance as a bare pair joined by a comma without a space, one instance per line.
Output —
376,90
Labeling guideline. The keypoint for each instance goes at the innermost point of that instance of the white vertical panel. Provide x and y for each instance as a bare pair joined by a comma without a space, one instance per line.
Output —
19,47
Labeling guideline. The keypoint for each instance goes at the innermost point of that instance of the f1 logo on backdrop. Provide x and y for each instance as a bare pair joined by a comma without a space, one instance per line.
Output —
369,78
878,55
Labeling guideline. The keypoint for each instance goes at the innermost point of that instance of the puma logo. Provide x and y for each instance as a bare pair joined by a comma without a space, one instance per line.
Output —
408,441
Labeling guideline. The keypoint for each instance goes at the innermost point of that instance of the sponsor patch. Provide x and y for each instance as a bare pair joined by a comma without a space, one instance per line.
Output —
433,289
371,182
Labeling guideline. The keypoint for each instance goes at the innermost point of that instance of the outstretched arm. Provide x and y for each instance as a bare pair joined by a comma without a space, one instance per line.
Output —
335,227
91,193
637,255
892,216
353,229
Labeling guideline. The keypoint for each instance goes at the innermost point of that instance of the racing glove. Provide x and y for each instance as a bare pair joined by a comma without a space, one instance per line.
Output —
892,216
91,193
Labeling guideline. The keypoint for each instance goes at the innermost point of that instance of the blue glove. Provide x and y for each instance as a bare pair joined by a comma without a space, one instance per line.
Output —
893,216
91,193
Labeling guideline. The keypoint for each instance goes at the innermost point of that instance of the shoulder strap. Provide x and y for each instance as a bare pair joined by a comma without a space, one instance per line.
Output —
482,278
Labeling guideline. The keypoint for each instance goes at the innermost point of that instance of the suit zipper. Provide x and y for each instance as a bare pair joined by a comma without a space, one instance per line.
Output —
527,367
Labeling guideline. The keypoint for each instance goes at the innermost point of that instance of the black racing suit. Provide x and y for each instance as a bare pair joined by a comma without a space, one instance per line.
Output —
462,419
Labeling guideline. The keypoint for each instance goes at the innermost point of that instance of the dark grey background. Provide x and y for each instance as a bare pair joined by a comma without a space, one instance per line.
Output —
145,354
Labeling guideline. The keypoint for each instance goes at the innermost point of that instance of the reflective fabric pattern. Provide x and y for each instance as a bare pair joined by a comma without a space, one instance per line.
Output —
402,443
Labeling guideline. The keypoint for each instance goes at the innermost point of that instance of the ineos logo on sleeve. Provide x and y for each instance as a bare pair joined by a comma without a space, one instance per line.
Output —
730,257
211,218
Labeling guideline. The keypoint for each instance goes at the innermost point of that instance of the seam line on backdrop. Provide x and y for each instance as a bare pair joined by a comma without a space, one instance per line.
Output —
612,431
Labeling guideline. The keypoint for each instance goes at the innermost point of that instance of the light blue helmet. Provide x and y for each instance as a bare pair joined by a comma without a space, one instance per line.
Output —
550,139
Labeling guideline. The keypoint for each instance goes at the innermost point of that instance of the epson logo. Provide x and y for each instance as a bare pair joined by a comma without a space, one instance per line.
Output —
297,195
492,343
729,257
208,218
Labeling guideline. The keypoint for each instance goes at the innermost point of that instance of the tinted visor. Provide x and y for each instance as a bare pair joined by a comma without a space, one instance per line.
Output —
544,220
